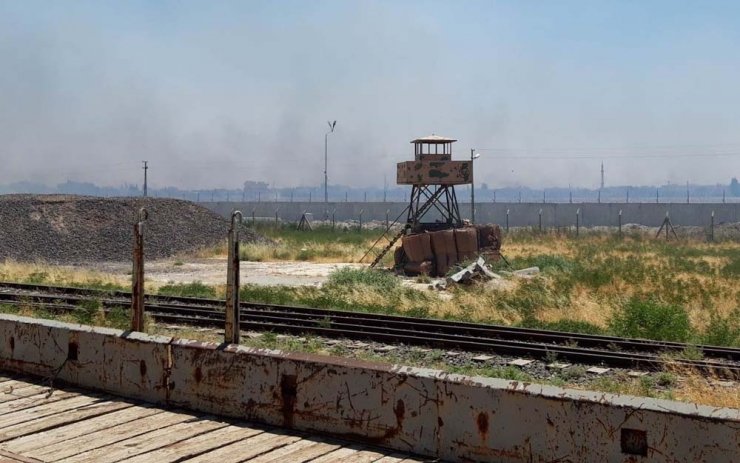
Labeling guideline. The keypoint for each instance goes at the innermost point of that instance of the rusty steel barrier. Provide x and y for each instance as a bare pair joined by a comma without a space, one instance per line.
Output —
137,275
231,329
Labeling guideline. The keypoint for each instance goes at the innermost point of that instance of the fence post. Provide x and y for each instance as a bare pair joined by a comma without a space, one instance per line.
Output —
361,211
387,222
253,218
507,221
540,220
333,221
711,228
137,275
231,328
276,215
578,220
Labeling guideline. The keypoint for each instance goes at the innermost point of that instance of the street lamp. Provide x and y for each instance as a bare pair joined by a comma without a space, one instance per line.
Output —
326,160
473,157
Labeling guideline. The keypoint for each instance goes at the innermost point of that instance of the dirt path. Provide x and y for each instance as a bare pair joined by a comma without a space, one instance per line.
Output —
213,271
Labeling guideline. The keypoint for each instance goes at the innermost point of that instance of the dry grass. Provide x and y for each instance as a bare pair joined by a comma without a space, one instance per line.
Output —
41,272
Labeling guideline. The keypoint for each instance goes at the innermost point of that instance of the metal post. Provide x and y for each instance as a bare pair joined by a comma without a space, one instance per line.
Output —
146,167
333,221
231,329
472,187
276,215
361,211
711,228
137,275
387,222
507,221
253,218
578,220
620,222
540,219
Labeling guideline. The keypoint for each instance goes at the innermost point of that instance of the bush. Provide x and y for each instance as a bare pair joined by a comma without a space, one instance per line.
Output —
723,331
650,319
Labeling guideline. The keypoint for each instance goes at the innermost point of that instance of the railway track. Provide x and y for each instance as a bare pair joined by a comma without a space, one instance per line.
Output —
540,344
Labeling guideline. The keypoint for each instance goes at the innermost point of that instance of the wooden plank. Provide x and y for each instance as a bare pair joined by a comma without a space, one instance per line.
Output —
302,450
338,456
146,443
99,439
42,408
197,445
59,419
364,456
16,384
16,394
244,450
47,439
395,458
7,457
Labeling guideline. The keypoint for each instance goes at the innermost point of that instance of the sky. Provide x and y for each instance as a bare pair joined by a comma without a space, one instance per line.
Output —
215,93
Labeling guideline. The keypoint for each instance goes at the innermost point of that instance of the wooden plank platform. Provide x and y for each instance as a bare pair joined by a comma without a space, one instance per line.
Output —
40,424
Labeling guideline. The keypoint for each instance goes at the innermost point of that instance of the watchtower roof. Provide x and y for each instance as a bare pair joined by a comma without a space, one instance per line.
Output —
433,139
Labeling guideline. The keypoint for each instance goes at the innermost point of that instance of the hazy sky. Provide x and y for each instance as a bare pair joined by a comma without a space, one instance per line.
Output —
214,93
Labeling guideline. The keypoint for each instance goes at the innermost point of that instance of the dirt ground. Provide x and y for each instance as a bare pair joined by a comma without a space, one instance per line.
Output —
212,271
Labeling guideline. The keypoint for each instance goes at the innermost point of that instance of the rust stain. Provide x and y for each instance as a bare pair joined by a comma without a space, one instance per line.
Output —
482,422
288,395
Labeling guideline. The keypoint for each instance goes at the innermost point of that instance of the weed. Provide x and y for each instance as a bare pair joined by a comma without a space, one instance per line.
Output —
194,289
650,319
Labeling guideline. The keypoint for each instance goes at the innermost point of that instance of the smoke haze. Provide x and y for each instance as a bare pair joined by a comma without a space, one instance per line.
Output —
215,93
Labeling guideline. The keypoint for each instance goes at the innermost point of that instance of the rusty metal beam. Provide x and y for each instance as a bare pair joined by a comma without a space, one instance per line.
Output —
137,275
231,329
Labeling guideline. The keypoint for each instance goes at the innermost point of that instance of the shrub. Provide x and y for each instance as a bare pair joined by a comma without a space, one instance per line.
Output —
648,318
723,331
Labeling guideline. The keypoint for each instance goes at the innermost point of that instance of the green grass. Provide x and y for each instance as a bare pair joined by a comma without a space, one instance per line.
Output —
194,289
648,318
322,234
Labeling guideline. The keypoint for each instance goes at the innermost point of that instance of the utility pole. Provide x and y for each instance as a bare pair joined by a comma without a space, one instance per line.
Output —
326,160
146,167
602,175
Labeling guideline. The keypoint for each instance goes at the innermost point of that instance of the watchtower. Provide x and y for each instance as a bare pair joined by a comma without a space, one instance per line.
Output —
433,176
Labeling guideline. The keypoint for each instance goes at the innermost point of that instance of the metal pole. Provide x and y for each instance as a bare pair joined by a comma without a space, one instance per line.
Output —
137,275
507,221
231,329
620,222
472,187
333,222
711,228
361,211
276,215
146,167
540,219
387,222
578,221
326,167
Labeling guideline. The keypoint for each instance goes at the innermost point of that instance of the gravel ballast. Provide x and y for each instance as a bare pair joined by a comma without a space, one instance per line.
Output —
77,229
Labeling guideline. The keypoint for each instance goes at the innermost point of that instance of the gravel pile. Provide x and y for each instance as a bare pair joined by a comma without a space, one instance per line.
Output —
76,229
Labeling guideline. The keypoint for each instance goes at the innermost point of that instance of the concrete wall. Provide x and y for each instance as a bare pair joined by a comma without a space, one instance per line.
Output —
452,417
520,214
